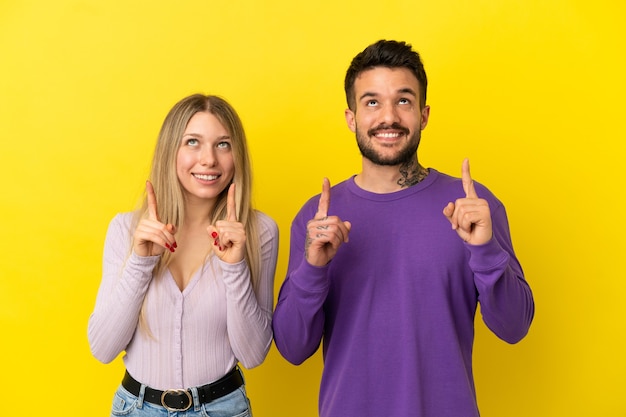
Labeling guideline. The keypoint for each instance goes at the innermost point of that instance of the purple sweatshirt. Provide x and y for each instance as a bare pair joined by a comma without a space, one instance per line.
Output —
395,308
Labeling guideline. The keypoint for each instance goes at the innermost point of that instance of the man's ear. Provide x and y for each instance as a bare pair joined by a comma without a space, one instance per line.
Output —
424,115
350,120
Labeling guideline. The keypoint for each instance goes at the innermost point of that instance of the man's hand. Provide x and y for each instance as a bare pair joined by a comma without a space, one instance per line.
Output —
324,234
470,216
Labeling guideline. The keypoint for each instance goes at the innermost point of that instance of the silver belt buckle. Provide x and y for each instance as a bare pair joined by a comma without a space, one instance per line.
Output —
177,392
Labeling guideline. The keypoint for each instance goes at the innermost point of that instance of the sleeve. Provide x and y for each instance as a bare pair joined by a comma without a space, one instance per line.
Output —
249,311
506,300
299,317
125,280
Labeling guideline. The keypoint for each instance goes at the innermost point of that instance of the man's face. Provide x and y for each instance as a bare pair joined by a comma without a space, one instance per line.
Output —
388,119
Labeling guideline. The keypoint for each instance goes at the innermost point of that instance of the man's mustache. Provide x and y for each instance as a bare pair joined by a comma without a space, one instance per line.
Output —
383,126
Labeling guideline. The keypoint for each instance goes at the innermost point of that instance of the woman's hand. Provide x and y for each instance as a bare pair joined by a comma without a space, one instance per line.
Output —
229,236
152,237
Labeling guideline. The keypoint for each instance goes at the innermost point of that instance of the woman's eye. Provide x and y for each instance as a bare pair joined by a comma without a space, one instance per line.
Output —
223,145
192,142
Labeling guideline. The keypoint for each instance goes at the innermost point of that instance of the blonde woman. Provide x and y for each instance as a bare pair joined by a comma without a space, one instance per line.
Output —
187,285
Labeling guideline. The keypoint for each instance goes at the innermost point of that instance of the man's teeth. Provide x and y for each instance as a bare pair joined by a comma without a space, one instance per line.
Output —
205,177
387,135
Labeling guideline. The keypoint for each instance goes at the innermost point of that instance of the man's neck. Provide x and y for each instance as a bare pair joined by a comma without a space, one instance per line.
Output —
384,179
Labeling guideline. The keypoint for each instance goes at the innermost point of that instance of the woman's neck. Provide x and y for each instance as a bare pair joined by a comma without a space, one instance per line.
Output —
198,213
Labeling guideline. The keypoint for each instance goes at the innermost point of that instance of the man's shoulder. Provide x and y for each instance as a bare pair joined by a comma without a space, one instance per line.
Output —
337,190
455,183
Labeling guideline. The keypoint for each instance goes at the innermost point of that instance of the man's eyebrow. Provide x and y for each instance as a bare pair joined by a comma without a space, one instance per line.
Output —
406,90
367,94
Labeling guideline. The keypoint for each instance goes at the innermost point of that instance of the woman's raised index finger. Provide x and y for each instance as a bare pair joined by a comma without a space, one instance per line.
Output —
231,206
152,202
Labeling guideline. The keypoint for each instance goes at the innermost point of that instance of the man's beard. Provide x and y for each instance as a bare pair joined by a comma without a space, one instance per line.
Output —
404,155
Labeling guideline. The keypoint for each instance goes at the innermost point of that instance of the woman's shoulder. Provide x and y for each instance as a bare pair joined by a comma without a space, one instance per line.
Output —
124,221
266,223
124,218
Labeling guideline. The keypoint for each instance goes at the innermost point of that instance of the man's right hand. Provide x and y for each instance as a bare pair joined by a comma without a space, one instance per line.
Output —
324,233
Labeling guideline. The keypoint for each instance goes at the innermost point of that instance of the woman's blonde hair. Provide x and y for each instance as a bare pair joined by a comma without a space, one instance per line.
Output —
169,191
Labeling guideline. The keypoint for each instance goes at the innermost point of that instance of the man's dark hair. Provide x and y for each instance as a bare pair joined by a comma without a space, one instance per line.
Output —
390,54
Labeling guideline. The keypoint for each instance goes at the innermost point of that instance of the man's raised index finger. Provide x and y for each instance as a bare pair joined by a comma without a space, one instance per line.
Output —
322,208
466,179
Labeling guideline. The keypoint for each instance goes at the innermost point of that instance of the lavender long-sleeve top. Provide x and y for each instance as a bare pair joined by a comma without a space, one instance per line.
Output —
395,308
197,335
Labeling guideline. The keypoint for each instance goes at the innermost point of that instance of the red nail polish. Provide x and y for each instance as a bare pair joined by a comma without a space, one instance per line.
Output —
168,246
214,235
175,245
215,242
172,249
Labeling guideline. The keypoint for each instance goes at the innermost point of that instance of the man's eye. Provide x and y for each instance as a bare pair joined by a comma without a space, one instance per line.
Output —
404,101
372,103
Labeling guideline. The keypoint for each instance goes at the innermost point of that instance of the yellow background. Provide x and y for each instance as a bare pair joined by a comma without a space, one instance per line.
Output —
532,91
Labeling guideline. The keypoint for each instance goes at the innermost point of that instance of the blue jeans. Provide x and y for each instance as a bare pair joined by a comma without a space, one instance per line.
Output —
235,404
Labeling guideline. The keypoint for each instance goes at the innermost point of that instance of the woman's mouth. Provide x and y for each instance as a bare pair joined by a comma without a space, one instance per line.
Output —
206,177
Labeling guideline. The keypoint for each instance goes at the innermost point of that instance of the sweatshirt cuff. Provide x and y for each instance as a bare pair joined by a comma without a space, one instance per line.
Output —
310,278
488,257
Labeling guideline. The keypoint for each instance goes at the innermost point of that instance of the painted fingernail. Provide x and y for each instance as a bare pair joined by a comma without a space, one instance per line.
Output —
215,242
167,245
175,245
172,250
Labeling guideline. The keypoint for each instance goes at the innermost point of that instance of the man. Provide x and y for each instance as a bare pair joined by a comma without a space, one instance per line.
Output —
383,277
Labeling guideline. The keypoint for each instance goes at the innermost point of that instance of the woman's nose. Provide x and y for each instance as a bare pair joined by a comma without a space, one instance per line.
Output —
207,157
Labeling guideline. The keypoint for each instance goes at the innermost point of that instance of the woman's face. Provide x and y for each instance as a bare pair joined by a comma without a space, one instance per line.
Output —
204,164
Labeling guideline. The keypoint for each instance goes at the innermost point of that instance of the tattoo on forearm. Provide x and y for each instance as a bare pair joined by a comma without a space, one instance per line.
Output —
412,173
309,239
307,243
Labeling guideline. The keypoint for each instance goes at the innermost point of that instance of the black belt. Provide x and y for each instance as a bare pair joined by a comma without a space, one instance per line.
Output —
181,399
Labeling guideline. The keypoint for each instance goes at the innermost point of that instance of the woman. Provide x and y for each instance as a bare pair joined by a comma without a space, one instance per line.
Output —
187,286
